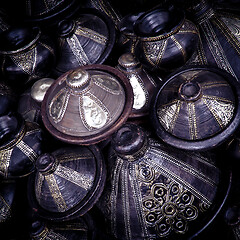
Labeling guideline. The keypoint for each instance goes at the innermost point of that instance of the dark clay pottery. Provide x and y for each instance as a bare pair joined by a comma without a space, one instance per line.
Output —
29,103
26,55
87,105
67,183
166,39
158,192
20,145
219,35
86,39
197,108
143,82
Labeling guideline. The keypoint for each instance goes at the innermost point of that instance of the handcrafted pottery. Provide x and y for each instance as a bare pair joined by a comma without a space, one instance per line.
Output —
158,192
219,37
84,40
144,84
20,145
67,183
166,39
197,108
26,55
86,105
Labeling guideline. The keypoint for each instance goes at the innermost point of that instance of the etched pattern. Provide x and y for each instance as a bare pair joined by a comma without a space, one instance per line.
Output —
75,177
5,210
222,111
26,61
93,112
216,48
234,26
78,50
154,51
107,83
192,121
58,105
5,156
167,115
55,193
47,234
93,35
27,150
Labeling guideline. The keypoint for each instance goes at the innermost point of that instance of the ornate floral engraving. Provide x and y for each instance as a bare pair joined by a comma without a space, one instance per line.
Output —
169,208
234,26
58,105
5,156
140,97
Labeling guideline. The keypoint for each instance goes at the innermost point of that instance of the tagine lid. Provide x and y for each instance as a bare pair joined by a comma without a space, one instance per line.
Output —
67,182
86,105
197,108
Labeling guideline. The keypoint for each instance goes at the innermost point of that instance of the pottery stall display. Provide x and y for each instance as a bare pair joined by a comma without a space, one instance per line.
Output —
119,120
158,192
85,39
26,54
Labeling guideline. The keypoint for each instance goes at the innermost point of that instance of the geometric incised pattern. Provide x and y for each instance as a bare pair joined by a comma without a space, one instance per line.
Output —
5,210
5,156
158,193
168,114
222,110
26,61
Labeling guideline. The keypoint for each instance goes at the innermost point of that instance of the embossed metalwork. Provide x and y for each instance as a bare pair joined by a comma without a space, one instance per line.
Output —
156,194
5,157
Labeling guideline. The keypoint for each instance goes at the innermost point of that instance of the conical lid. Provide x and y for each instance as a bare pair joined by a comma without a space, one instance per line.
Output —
197,108
67,182
86,105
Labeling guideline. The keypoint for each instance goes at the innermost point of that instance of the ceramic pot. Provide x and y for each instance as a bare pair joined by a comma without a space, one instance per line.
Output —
20,145
197,108
144,84
84,40
67,183
26,55
166,39
86,105
158,192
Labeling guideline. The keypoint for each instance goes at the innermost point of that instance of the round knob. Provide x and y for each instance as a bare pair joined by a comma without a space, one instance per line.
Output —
66,27
78,79
190,91
129,140
40,88
128,60
46,163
